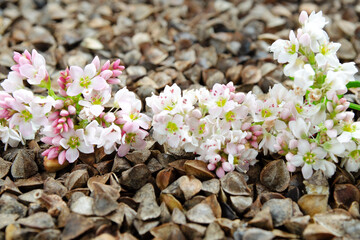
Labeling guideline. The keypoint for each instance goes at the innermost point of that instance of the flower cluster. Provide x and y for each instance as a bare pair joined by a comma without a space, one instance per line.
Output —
75,121
309,125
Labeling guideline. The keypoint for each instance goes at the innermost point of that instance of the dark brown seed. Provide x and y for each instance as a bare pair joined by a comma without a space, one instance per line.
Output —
75,226
234,184
275,176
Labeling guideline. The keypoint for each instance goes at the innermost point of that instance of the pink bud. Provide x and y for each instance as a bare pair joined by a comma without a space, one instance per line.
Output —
62,120
285,114
59,126
46,152
293,143
113,81
116,63
346,105
61,83
116,73
109,117
303,17
70,123
64,113
61,157
47,140
211,166
54,123
53,116
254,144
329,124
96,62
258,133
245,126
220,172
228,167
305,39
349,116
340,116
71,109
59,104
339,108
106,65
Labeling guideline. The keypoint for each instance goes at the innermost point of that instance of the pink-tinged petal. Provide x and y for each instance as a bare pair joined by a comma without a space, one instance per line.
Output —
62,157
27,70
23,95
15,120
13,83
76,72
123,150
139,144
96,62
106,74
37,59
26,130
227,166
220,172
72,154
96,110
211,167
90,70
98,83
74,89
130,127
84,148
47,140
63,143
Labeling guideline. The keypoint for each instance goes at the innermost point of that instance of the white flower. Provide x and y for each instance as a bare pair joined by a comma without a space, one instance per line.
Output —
313,26
10,136
286,51
311,157
168,128
109,138
166,101
13,82
299,128
352,162
327,54
350,130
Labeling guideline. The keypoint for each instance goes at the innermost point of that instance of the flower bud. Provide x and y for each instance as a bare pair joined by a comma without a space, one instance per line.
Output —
332,133
71,109
349,116
58,104
285,114
303,17
245,126
305,40
329,106
64,113
220,172
70,123
340,116
211,166
228,167
329,124
110,117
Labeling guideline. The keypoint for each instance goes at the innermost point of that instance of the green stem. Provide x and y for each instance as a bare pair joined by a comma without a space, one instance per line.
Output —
353,84
354,106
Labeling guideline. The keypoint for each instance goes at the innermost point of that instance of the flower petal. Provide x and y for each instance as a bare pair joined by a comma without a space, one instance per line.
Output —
72,154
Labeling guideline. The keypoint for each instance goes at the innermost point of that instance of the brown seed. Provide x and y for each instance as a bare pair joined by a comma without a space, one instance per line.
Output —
4,167
333,221
198,169
257,233
154,165
250,75
262,219
148,209
167,231
214,204
52,186
281,210
171,202
24,165
312,204
9,186
164,178
135,177
179,165
345,194
38,220
214,232
275,176
213,76
193,231
9,205
75,226
137,157
105,199
98,179
297,224
354,210
6,219
190,186
211,186
234,74
83,205
178,217
316,231
120,164
77,179
144,227
234,184
201,213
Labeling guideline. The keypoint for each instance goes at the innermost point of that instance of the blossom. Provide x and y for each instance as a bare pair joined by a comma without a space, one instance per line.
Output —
286,51
109,138
13,82
304,78
168,128
85,80
311,157
95,101
327,54
9,136
166,101
352,160
34,69
73,143
133,137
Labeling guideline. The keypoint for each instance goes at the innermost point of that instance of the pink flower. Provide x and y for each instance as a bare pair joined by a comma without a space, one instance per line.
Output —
133,138
85,80
34,69
13,82
74,142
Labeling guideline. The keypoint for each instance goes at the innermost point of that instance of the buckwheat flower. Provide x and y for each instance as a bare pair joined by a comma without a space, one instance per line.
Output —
352,160
293,67
334,148
311,157
35,70
13,82
10,136
95,101
220,101
93,133
109,138
349,131
166,101
314,25
304,78
168,128
299,128
74,142
327,54
41,105
85,80
133,138
337,79
286,51
126,100
267,109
